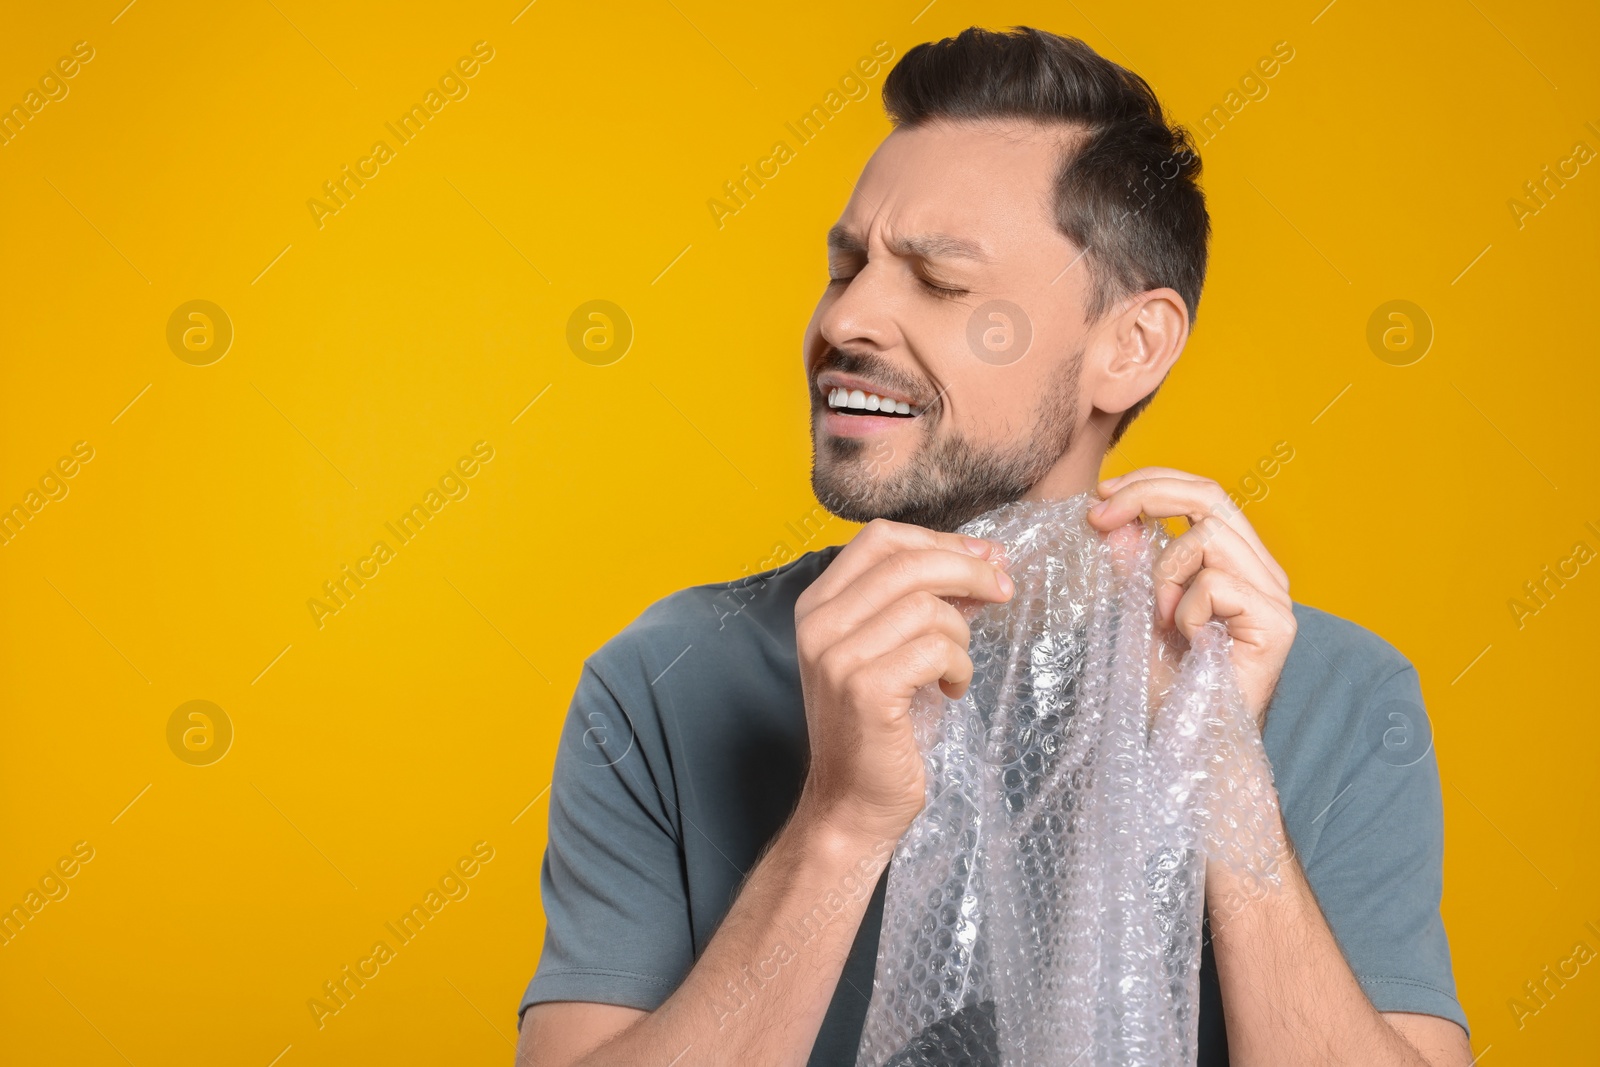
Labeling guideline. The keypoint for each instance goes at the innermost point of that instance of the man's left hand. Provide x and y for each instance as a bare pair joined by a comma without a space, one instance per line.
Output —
1218,568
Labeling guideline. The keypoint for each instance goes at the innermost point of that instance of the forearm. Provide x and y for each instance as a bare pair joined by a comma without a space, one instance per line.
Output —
1288,995
759,992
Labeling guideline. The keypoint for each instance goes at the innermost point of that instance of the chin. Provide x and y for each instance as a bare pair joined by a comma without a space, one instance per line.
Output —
936,483
854,499
861,499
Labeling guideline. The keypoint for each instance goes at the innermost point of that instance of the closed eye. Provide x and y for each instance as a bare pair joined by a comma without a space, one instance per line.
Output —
940,291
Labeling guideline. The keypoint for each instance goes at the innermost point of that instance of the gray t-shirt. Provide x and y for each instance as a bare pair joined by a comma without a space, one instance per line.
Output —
685,747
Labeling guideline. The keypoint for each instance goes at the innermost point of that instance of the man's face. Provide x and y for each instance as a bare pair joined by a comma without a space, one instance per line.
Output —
983,397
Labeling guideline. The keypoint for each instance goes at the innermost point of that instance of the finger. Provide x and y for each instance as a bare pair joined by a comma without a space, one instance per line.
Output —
970,609
1160,496
880,539
920,661
933,570
1141,474
903,621
1252,619
1164,496
1209,543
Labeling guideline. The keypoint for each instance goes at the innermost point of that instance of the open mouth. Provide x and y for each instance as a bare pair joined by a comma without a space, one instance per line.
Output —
858,402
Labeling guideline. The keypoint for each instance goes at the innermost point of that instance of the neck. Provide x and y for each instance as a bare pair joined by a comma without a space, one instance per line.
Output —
1078,470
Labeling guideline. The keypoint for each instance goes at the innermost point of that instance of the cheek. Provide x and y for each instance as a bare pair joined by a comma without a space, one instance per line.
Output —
981,402
1029,401
1050,370
946,344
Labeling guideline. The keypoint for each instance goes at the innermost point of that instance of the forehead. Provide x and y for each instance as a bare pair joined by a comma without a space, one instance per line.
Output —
987,183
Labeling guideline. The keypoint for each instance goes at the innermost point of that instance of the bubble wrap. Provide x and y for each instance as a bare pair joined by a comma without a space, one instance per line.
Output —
1045,907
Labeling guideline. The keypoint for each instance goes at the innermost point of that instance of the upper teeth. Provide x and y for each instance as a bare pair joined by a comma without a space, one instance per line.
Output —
840,397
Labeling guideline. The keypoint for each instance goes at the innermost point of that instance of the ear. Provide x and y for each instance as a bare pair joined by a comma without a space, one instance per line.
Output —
1139,344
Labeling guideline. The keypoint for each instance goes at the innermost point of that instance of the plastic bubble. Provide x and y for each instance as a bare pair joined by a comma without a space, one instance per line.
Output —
1047,902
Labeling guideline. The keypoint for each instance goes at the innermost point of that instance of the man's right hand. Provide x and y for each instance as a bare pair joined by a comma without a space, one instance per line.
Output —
878,625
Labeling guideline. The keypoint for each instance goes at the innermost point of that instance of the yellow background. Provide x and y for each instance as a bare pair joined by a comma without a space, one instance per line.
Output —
372,753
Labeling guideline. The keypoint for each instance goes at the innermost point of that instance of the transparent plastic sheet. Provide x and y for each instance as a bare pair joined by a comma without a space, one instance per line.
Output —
1045,907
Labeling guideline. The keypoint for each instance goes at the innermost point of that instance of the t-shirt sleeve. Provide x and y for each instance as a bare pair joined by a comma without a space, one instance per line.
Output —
617,927
1377,866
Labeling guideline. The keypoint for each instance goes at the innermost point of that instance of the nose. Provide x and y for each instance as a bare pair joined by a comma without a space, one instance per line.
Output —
862,316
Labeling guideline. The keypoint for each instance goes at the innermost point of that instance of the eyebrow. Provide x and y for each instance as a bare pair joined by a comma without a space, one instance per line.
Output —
921,245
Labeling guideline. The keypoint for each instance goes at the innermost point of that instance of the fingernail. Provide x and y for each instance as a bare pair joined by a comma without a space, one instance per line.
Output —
1095,511
1006,585
978,547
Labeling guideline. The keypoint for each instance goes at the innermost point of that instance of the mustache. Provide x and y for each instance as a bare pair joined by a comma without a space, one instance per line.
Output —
879,370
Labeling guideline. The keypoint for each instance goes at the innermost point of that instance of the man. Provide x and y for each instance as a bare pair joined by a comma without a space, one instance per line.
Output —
738,763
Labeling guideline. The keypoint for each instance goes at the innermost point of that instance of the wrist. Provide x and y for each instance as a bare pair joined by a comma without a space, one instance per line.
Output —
836,834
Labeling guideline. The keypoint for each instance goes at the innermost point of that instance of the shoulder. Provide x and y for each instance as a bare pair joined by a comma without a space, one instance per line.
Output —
1348,707
735,623
705,687
1336,675
1329,649
1329,705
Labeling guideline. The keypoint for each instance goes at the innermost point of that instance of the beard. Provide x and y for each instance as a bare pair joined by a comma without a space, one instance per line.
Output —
947,480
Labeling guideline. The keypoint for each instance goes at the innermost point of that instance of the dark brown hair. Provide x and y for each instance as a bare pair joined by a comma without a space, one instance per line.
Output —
1128,189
